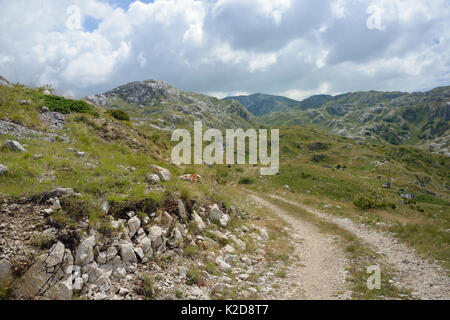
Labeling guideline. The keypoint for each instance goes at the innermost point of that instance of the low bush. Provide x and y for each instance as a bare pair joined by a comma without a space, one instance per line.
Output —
370,200
119,115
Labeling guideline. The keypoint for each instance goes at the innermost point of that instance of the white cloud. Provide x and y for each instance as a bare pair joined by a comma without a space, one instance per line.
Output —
223,47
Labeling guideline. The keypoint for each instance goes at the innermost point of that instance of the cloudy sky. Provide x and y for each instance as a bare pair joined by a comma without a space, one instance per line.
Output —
221,47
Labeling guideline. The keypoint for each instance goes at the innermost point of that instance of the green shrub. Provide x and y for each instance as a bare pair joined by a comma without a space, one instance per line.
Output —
119,115
369,200
148,287
193,276
191,251
63,105
245,180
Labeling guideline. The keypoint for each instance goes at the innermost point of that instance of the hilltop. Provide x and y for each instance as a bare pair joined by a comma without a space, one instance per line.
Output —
163,106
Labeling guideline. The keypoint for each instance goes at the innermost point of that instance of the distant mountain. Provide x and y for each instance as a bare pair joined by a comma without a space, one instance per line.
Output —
161,105
421,118
261,104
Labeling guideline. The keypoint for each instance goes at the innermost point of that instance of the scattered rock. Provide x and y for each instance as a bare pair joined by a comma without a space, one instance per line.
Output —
198,223
133,226
85,252
216,215
127,253
163,173
3,169
192,178
156,237
153,179
14,146
182,211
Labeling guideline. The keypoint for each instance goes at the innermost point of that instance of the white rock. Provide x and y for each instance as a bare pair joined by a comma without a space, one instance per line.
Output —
127,253
119,271
264,234
156,236
56,255
223,265
123,292
154,179
139,252
3,169
146,245
85,251
163,173
229,249
198,223
14,146
111,253
216,215
133,226
78,284
56,205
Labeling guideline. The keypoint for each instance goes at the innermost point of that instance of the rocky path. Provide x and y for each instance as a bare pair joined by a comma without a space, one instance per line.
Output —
425,279
322,274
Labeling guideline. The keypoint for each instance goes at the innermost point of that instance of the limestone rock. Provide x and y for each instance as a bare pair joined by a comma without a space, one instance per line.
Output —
216,215
5,270
3,169
156,236
127,253
163,173
153,179
56,255
198,223
133,226
14,146
85,252
182,210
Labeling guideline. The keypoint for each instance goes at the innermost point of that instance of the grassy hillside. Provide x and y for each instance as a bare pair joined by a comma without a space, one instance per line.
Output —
342,177
393,117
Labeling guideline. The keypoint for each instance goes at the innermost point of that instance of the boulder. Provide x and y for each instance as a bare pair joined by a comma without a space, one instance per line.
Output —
56,255
133,226
182,211
197,223
146,245
5,270
163,173
156,236
3,169
62,290
153,179
35,280
78,284
14,146
139,252
216,215
85,252
127,253
192,178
